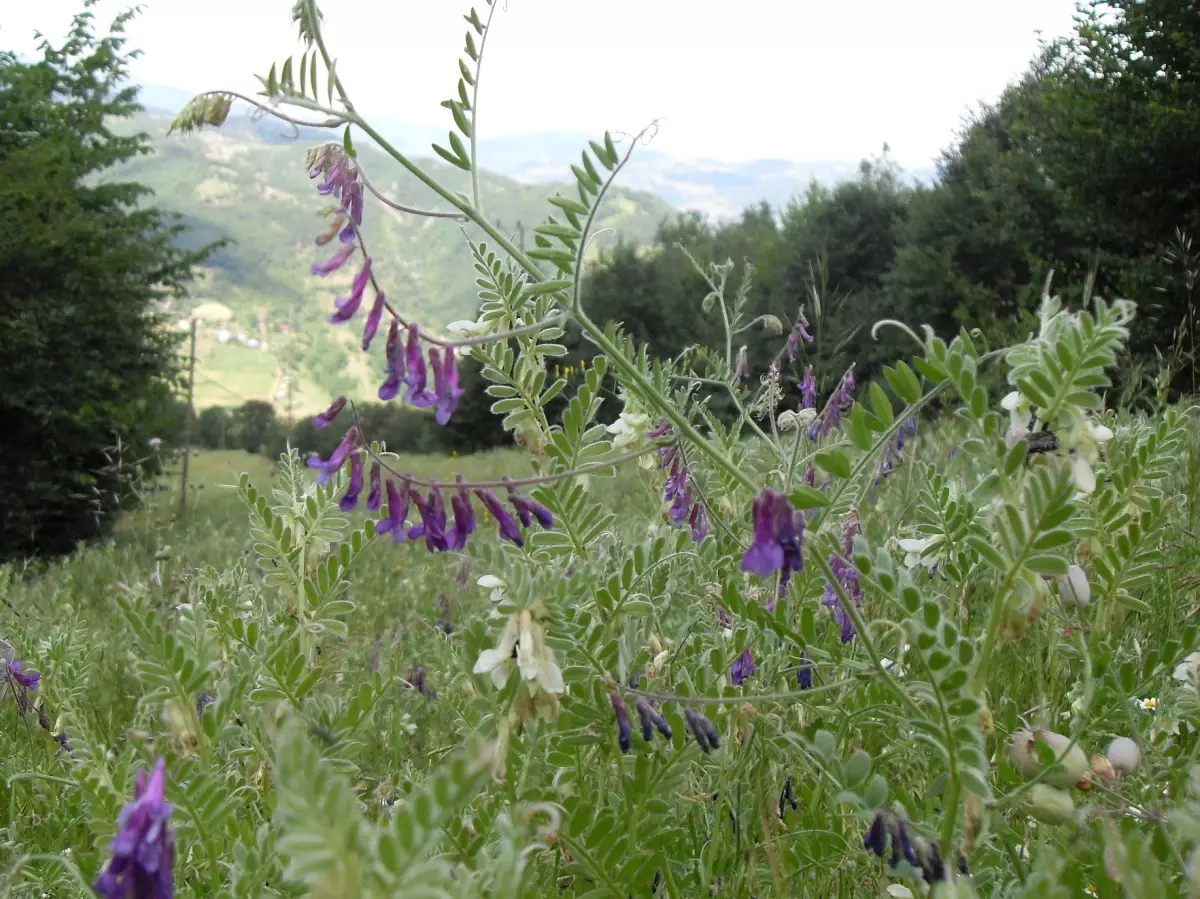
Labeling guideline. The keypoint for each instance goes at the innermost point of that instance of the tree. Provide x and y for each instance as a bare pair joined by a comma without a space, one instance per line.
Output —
85,353
256,427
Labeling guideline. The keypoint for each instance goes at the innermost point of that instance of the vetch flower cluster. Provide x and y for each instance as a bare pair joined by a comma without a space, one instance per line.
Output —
838,403
924,855
143,851
677,491
892,455
706,734
439,532
799,332
847,578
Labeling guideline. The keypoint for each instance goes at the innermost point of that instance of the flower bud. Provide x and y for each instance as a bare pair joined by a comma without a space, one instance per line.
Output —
1073,588
1049,805
771,324
1103,769
1123,754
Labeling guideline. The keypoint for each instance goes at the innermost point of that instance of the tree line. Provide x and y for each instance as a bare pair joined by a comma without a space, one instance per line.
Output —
1086,165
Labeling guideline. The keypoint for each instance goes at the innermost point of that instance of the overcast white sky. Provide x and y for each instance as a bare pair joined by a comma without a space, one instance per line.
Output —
805,80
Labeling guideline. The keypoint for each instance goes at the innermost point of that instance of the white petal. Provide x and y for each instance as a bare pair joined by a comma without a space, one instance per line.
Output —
549,676
1011,400
1185,670
910,545
489,660
490,582
500,676
1084,477
1100,433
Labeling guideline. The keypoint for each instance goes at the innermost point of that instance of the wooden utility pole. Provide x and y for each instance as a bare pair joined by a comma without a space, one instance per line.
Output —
187,426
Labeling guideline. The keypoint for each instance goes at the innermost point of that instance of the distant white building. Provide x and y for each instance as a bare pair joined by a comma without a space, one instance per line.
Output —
223,336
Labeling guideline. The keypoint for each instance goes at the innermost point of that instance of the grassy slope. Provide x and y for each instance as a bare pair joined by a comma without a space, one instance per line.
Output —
247,184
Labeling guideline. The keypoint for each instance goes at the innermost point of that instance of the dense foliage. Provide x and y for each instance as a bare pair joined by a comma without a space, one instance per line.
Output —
85,362
811,645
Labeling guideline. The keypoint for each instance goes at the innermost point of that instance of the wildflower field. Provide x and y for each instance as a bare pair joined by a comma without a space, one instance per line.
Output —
934,634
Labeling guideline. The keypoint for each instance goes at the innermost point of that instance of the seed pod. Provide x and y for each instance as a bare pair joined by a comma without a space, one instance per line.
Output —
1022,756
1123,754
1074,589
1049,805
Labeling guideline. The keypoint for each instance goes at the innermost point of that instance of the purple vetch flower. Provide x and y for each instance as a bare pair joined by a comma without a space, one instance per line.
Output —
350,499
724,619
528,509
395,364
506,523
464,519
893,453
374,317
678,510
778,533
622,715
327,469
743,666
433,521
374,494
764,555
830,418
804,672
415,680
325,419
793,343
29,680
334,262
443,623
651,720
143,851
445,384
876,836
808,390
846,576
203,701
810,475
416,376
341,181
397,511
699,523
347,307
706,734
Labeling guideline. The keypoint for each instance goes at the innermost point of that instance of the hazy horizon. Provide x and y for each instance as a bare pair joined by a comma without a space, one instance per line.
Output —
905,77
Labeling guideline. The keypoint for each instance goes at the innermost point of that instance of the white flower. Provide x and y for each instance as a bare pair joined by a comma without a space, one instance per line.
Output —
493,583
1150,703
498,662
1085,440
522,644
155,442
628,430
466,328
1073,589
535,658
916,551
1187,669
1019,410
